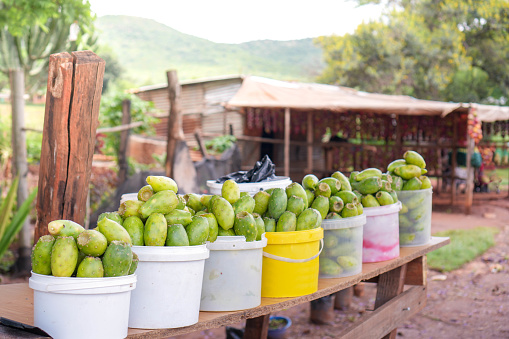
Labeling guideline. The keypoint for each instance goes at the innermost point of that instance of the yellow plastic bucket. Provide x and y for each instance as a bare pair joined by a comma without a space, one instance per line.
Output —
290,263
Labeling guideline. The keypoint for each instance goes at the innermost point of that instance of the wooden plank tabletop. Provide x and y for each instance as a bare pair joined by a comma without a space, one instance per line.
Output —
17,299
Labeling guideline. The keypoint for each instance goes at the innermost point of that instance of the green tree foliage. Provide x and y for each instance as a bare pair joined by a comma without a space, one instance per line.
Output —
430,49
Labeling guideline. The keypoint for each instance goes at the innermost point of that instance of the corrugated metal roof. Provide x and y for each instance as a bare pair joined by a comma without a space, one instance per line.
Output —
187,82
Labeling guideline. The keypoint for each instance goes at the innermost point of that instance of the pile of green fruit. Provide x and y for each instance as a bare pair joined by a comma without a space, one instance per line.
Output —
415,216
374,188
71,251
342,254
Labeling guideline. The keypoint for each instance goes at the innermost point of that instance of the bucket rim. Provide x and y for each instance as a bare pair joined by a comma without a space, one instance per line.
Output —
294,237
335,224
171,253
236,243
416,191
382,210
52,284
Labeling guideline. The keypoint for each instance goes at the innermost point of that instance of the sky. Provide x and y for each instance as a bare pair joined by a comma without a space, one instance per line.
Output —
236,21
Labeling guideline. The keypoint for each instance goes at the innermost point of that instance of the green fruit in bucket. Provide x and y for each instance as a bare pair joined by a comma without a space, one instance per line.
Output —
414,158
156,230
350,210
41,255
309,219
415,201
270,224
369,185
336,204
394,196
277,203
182,202
260,226
368,173
311,196
244,194
178,217
321,204
115,216
176,236
329,267
357,194
162,183
261,199
245,203
330,241
245,225
198,231
396,163
418,212
334,184
406,238
134,264
287,222
333,215
310,181
225,233
223,211
65,228
296,205
161,202
369,200
90,267
230,191
386,186
345,183
117,259
426,182
92,243
397,183
322,189
296,189
404,209
387,177
113,231
360,208
347,262
404,222
64,256
348,197
213,226
130,208
145,193
384,198
412,185
81,256
194,201
205,199
408,171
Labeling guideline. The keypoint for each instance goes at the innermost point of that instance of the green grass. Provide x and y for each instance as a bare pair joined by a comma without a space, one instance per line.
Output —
465,246
34,114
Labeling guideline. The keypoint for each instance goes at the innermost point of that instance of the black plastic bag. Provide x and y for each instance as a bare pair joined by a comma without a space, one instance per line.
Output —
262,170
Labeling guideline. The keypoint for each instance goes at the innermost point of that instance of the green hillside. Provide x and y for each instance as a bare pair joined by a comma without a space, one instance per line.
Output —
146,49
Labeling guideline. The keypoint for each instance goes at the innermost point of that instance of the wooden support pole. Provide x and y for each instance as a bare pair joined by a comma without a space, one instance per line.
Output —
175,131
257,328
470,175
310,132
70,123
287,143
454,158
124,141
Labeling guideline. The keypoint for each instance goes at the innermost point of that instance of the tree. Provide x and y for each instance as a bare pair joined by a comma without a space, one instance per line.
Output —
421,48
31,30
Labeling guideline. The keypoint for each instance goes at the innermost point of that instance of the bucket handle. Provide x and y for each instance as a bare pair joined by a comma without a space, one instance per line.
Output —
76,286
276,257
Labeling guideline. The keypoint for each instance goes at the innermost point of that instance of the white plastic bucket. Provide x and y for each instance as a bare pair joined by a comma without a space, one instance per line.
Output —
233,274
82,307
128,196
381,233
169,286
415,217
252,187
342,252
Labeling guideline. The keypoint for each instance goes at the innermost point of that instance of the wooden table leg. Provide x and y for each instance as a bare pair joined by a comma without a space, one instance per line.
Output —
257,328
390,284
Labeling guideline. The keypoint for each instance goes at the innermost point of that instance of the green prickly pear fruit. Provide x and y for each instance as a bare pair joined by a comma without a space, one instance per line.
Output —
64,256
41,255
176,236
334,184
321,204
270,224
287,222
404,222
115,216
92,243
309,181
117,259
345,183
162,183
404,209
352,176
348,197
330,241
296,189
90,267
230,191
81,256
194,201
336,204
64,228
130,208
161,202
211,201
408,171
360,208
213,226
357,194
418,212
113,231
322,189
396,163
260,226
426,182
329,267
244,193
414,158
261,199
245,225
368,173
370,185
333,215
178,217
397,183
269,190
386,186
387,177
309,219
156,230
296,205
134,264
423,171
198,231
311,196
277,203
415,201
225,233
347,262
350,210
245,203
412,184
205,199
182,202
394,196
135,227
384,198
406,238
369,200
223,211
145,193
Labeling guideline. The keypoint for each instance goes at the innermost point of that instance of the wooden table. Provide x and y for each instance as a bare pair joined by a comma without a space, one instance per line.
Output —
394,303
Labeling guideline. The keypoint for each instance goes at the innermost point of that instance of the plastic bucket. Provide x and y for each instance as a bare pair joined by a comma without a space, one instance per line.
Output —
169,286
415,217
102,304
381,233
233,274
342,249
252,187
290,263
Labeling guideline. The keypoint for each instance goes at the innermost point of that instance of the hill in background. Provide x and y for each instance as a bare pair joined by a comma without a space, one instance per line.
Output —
146,49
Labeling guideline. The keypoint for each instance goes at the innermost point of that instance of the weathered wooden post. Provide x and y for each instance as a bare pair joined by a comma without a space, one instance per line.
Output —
124,141
70,122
